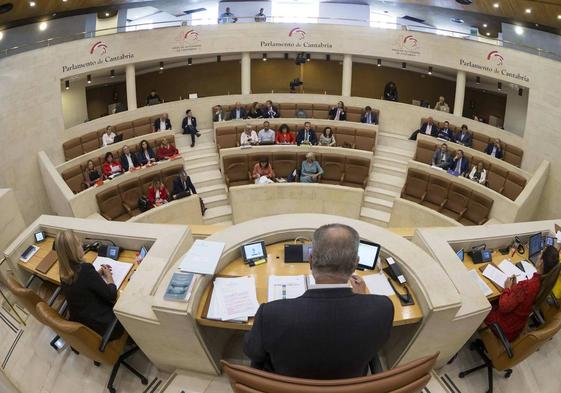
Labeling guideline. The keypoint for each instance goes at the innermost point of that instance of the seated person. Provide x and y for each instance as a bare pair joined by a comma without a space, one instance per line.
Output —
90,294
270,111
310,170
463,137
323,330
218,114
428,128
162,124
110,166
441,157
157,193
189,126
306,136
445,132
153,98
108,137
284,136
248,137
326,138
183,186
338,112
255,111
515,304
494,149
368,117
91,174
266,135
478,173
145,153
390,92
441,105
128,160
459,165
166,151
263,172
238,112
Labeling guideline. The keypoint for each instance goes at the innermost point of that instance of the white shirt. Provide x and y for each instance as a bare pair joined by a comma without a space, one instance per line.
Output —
219,116
494,152
238,113
338,114
329,286
157,194
267,135
189,121
108,139
129,159
162,125
428,131
248,139
482,177
369,118
147,155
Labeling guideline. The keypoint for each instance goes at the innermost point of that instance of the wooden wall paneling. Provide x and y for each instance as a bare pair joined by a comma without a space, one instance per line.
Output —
98,98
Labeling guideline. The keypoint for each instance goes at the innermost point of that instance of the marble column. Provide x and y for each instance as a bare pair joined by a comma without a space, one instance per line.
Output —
131,87
347,75
246,73
460,93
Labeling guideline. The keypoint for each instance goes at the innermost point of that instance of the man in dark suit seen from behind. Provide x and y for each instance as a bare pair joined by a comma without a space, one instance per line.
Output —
335,329
428,128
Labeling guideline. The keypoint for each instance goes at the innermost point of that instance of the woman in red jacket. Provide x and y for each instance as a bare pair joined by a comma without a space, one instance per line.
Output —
284,136
166,151
157,193
516,302
110,166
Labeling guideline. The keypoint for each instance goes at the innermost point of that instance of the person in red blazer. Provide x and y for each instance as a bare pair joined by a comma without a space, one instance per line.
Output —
157,193
284,136
166,150
110,166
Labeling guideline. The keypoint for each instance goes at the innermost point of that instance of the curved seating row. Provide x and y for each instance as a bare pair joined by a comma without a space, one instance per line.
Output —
119,203
314,111
453,200
499,179
339,168
74,176
361,138
511,154
91,141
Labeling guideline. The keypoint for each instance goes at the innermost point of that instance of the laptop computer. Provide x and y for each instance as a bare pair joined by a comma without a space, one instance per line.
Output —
118,138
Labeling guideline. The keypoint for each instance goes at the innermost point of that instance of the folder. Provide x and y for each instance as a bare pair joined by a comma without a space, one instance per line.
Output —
45,265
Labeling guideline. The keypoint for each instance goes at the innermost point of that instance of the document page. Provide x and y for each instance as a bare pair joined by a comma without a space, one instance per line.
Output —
286,287
495,275
529,269
236,297
202,257
378,284
119,270
480,283
508,268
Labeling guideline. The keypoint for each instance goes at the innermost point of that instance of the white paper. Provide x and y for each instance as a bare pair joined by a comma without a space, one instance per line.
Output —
529,269
495,275
378,284
310,280
236,298
286,287
119,270
202,257
558,235
479,281
508,268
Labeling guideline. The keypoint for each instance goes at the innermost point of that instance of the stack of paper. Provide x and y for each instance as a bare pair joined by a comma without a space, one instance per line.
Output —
508,268
233,299
202,257
495,275
378,284
119,270
529,269
286,287
477,279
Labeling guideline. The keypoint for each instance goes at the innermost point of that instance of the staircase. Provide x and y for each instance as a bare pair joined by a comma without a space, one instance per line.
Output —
387,177
202,164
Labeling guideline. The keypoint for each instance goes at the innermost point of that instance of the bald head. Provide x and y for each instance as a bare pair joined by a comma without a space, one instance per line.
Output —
335,253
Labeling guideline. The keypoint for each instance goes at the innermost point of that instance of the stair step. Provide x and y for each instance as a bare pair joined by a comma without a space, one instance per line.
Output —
374,216
393,152
200,148
209,191
189,157
207,178
382,193
398,162
389,169
216,200
387,181
201,166
378,202
396,141
218,214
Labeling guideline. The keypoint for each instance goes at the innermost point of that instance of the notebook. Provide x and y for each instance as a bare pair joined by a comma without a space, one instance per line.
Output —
45,265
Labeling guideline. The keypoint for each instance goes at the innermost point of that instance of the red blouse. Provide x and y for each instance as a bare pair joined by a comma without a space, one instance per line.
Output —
167,152
152,194
107,168
285,138
514,307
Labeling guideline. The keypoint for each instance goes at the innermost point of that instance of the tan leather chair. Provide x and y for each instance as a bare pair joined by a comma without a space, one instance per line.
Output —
456,202
90,141
496,178
415,188
411,377
284,164
344,136
500,354
478,209
226,137
287,109
130,192
320,111
306,108
85,341
365,140
513,155
111,205
169,175
74,178
425,151
333,166
437,192
357,171
354,113
236,171
479,141
146,180
514,185
72,148
126,129
25,296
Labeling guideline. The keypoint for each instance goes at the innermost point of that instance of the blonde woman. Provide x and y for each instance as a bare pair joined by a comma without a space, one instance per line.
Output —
90,294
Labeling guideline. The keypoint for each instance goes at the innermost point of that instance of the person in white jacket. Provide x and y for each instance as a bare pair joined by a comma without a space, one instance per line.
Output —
478,173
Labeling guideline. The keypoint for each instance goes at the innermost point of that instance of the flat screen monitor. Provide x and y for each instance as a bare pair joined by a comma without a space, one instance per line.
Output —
368,253
460,254
142,253
252,252
39,236
535,245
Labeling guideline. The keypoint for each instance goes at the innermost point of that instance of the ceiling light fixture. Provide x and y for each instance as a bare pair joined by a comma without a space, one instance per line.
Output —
32,4
189,61
404,65
1,35
43,26
107,14
161,65
559,16
496,5
430,70
67,85
379,63
528,10
89,77
112,73
264,57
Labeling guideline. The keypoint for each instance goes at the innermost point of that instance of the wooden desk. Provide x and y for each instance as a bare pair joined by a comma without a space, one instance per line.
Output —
53,274
404,315
497,259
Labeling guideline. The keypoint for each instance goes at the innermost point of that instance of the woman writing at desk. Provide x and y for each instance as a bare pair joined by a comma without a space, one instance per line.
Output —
90,294
515,304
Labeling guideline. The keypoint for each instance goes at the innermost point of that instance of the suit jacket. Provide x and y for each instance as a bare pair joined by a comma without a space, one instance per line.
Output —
266,113
464,165
193,124
300,137
157,124
373,118
333,113
437,157
243,114
215,116
178,186
498,153
324,334
434,130
90,299
125,162
142,158
445,133
465,140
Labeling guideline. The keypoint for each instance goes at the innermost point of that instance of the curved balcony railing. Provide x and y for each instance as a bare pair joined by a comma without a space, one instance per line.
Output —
277,19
